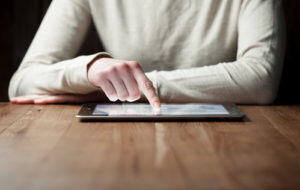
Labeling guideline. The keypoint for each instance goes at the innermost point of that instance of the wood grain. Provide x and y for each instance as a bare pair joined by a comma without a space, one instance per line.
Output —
45,147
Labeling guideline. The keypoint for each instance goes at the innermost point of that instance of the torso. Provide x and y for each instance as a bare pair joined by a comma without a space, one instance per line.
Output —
168,34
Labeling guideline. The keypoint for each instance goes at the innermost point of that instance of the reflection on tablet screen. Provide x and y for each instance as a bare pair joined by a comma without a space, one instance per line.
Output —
166,109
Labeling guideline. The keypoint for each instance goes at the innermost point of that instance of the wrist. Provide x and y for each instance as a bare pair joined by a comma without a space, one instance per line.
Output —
89,65
97,58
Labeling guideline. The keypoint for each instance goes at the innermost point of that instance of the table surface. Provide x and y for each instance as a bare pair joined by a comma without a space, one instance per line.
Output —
46,147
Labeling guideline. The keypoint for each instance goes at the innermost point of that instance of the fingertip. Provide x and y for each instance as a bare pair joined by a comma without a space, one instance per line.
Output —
156,104
113,99
13,100
130,100
134,98
39,101
20,100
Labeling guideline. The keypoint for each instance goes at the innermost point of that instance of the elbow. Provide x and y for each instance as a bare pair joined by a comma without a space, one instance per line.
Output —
12,88
265,92
16,85
265,97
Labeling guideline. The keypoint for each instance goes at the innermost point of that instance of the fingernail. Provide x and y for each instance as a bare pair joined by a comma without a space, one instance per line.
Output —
157,105
113,99
130,100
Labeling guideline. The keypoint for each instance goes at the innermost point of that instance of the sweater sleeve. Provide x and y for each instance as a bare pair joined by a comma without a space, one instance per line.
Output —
252,79
49,66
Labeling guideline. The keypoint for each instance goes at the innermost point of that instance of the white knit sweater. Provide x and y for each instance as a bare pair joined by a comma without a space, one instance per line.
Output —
192,50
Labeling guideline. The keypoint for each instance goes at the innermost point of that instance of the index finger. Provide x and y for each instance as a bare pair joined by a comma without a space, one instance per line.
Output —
147,87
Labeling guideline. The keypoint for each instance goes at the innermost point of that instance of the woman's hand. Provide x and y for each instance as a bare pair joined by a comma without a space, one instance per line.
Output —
54,99
122,80
118,80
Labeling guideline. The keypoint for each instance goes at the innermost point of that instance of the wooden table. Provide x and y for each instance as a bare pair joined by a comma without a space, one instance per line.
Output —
46,147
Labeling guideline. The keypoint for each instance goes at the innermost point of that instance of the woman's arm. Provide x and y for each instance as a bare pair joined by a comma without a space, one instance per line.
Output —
48,74
252,78
49,66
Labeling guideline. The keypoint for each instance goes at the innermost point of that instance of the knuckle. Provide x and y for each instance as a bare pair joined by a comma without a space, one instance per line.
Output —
135,64
112,69
156,100
148,85
123,65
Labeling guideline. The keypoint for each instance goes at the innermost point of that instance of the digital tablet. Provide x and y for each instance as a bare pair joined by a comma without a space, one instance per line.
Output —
143,112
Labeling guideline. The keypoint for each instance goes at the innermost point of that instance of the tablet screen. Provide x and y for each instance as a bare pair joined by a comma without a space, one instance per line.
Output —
130,109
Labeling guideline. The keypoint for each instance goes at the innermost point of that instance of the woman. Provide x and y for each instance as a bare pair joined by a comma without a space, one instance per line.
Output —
191,51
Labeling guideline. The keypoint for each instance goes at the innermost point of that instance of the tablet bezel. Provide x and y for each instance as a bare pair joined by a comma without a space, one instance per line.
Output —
86,114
